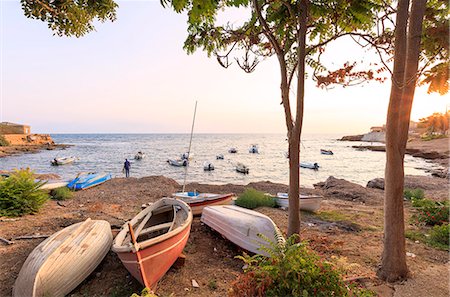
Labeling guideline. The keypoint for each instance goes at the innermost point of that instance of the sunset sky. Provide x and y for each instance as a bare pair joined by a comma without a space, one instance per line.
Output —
132,76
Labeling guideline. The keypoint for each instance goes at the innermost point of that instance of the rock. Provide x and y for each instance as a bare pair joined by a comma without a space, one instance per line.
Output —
195,284
345,190
412,255
376,183
442,173
352,138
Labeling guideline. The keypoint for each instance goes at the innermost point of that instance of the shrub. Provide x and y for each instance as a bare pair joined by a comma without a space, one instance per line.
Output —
20,194
145,293
413,193
439,236
252,198
3,141
62,193
292,270
432,213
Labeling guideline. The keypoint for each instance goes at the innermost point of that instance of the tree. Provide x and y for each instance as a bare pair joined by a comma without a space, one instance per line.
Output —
436,122
295,32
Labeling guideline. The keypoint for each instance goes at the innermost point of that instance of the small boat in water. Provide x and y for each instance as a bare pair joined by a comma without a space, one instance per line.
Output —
307,202
232,150
242,226
198,201
186,156
87,180
208,166
178,163
62,161
62,261
219,157
139,156
326,152
151,242
241,168
253,149
309,165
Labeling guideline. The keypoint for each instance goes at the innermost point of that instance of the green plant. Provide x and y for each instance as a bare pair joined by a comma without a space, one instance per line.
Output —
291,270
20,194
3,141
439,236
146,292
252,198
433,213
332,216
428,137
212,284
62,193
413,193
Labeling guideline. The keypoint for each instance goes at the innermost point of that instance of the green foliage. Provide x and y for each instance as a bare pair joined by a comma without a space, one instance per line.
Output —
431,212
70,17
413,193
20,194
331,216
292,270
146,292
252,198
3,141
439,236
428,137
212,285
62,193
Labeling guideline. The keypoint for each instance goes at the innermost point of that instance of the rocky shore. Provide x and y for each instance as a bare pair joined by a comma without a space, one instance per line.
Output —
347,230
10,150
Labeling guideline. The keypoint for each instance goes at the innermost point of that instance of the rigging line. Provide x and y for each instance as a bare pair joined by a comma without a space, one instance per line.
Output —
189,150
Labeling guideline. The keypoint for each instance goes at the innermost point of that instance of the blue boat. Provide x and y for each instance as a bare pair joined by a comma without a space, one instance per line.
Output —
88,180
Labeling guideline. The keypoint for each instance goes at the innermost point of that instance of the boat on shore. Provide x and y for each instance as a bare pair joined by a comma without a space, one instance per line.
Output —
62,161
309,165
241,168
139,156
307,202
242,226
62,261
151,242
51,185
326,152
198,201
88,180
208,166
178,162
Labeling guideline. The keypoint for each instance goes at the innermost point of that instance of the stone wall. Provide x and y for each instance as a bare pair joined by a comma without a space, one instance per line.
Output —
14,129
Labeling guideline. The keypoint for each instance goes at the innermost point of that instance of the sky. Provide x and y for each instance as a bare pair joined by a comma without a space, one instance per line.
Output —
133,76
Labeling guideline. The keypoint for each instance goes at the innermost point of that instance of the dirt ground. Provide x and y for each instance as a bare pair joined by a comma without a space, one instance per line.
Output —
346,231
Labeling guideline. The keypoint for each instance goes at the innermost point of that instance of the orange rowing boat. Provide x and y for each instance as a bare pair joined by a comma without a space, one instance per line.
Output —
151,242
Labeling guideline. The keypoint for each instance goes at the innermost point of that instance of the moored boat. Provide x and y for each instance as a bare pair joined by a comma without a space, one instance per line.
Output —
208,166
62,261
326,152
198,201
87,180
63,161
253,149
219,157
307,202
242,226
178,163
232,150
309,165
152,241
241,168
139,156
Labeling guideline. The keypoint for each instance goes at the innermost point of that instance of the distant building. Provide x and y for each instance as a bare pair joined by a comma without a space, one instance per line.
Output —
378,129
11,128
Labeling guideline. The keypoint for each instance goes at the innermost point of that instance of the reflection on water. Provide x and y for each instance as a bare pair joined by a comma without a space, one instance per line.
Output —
107,152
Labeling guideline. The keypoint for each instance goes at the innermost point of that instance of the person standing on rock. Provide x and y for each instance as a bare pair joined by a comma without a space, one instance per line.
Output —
126,168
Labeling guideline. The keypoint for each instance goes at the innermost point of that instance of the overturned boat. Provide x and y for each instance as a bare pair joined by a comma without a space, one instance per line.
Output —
88,180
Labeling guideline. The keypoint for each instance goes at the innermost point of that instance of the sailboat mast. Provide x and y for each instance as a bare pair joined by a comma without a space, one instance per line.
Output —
189,150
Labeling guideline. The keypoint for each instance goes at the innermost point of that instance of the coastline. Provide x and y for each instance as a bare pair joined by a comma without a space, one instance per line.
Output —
351,216
6,151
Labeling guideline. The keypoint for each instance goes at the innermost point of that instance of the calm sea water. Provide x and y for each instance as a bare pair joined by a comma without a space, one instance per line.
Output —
107,152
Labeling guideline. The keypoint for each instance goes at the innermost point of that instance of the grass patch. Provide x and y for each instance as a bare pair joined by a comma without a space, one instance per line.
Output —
212,285
252,198
146,292
410,194
332,216
3,141
415,235
62,193
20,194
428,137
437,237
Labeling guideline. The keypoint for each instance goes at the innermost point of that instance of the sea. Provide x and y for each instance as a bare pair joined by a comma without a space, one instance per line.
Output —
107,153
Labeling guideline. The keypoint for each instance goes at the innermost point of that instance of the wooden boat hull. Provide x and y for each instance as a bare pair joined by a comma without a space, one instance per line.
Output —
199,202
242,226
62,261
307,203
148,261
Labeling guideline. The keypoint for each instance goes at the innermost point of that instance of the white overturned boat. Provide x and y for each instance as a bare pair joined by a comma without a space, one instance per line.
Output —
63,161
241,168
208,166
139,156
198,201
242,226
178,163
309,165
62,261
307,202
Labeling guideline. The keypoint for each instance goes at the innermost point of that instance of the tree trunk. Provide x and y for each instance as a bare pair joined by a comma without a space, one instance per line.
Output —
294,185
393,261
